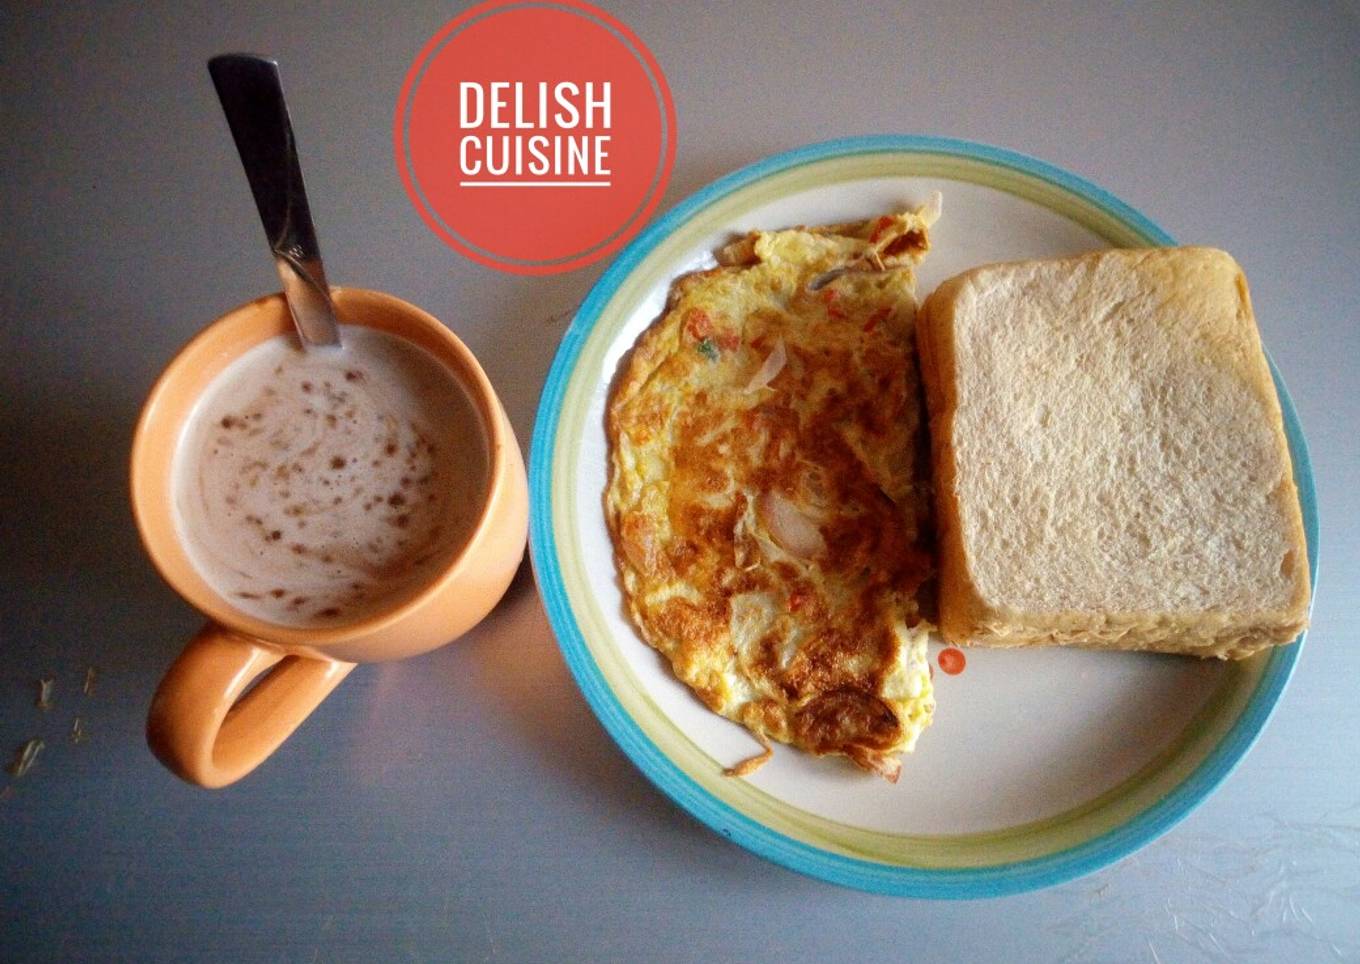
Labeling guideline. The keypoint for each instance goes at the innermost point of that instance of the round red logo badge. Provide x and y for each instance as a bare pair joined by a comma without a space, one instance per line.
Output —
535,137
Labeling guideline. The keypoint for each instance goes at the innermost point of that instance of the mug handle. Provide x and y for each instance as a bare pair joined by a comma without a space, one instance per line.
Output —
205,731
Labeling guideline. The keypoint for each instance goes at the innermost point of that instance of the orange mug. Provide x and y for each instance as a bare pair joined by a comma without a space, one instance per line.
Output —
200,725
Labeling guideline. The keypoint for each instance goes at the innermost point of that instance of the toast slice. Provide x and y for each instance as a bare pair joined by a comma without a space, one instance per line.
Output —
1110,462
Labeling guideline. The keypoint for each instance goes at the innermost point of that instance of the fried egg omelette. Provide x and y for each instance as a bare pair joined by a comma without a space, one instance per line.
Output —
768,493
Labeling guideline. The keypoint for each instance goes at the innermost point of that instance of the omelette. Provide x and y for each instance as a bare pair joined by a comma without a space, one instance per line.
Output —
768,492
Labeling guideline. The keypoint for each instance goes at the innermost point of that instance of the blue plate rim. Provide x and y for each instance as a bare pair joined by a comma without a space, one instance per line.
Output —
894,880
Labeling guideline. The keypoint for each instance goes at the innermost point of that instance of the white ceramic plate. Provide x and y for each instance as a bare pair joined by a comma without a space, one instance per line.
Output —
1041,765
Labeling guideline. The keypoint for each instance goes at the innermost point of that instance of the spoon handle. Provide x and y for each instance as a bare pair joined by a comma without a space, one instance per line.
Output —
252,98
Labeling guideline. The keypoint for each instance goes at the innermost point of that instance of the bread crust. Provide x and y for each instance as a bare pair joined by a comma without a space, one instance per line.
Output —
968,613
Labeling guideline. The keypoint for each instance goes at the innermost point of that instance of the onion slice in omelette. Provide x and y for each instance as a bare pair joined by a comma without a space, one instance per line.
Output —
768,493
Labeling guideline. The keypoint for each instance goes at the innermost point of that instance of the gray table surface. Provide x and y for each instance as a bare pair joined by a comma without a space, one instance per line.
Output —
466,804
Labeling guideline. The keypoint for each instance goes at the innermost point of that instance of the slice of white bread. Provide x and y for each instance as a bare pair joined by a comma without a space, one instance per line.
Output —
1110,462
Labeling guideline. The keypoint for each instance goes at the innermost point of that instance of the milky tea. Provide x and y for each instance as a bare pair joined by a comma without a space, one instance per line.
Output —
320,487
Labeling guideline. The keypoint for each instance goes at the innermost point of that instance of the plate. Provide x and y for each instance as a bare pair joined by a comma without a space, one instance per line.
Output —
1042,765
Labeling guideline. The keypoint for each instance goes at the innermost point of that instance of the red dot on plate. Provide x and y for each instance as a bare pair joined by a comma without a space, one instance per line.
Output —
952,660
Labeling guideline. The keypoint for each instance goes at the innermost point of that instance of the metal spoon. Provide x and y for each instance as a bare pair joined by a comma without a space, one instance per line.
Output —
252,98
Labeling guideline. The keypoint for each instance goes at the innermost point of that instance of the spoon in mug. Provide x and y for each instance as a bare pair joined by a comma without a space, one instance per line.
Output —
252,98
